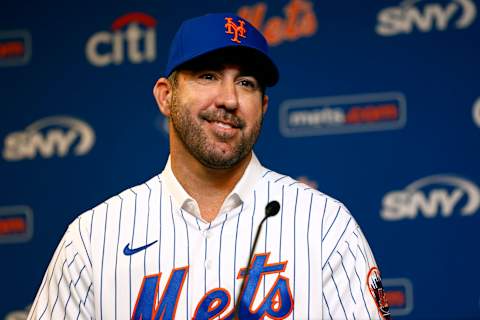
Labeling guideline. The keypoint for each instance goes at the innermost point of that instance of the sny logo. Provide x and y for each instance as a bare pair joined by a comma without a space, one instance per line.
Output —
236,30
48,137
277,304
476,112
105,48
431,196
408,15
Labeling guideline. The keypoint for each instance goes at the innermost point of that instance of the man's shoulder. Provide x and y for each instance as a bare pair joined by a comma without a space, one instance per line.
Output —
299,188
290,184
131,196
89,226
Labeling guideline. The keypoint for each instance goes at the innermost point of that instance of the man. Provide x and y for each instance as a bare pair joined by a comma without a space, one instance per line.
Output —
177,246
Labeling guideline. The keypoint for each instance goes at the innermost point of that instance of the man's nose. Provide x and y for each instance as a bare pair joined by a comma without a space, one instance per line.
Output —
227,95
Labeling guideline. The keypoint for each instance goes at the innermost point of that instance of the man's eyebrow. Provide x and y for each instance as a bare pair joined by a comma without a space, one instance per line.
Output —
248,74
216,67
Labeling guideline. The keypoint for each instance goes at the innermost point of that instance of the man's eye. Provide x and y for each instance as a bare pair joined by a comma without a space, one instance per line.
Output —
248,83
207,76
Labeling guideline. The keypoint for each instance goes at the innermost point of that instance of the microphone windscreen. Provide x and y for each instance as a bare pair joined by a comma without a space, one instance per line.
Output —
272,208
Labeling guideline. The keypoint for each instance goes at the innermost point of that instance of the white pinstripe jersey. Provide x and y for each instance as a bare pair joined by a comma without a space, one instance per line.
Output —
140,255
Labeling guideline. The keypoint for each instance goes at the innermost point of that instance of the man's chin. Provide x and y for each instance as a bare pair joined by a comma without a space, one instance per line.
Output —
221,161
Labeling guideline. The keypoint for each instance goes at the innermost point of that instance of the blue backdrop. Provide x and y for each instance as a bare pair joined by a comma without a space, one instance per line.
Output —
378,106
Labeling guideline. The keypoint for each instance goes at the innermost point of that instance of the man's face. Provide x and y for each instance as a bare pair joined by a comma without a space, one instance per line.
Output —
217,114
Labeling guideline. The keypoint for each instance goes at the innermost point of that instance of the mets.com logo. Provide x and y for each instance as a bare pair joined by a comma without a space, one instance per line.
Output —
425,16
399,292
431,197
16,224
343,114
48,137
15,48
132,37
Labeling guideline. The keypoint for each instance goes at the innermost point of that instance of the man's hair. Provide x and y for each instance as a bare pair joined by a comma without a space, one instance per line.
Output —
173,79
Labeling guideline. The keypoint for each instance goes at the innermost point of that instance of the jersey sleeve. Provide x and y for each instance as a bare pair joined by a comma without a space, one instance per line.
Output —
352,287
66,291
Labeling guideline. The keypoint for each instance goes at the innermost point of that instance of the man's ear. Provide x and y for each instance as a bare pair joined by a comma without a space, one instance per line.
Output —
264,104
162,91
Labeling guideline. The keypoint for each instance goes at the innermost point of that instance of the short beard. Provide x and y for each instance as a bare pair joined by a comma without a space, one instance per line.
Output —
196,142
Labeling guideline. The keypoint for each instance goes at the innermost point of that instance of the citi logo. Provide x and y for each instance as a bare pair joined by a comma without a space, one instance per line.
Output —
133,37
425,16
49,137
431,197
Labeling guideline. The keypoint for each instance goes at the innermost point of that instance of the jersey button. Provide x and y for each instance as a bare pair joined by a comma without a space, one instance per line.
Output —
208,264
206,234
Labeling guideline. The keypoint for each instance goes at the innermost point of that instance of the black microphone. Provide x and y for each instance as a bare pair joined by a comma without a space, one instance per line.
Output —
272,208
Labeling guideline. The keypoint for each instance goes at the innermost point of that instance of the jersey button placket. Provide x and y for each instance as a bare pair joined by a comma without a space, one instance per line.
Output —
207,235
208,264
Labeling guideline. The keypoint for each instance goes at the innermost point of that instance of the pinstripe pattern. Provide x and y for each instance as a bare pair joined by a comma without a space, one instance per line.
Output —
235,258
308,253
205,262
327,257
188,260
281,226
91,225
130,258
220,253
116,254
294,249
338,292
103,258
160,194
266,230
174,240
58,289
83,242
346,274
146,232
68,299
253,215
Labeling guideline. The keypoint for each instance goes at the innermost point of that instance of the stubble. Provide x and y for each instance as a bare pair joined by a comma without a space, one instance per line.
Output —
201,145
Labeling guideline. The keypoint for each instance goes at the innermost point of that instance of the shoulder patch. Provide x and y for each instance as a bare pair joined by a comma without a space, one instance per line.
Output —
374,283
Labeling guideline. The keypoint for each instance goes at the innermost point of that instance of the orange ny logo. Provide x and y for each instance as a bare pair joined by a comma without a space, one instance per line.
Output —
236,30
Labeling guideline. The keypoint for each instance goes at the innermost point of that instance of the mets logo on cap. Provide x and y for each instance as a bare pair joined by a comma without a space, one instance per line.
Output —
238,30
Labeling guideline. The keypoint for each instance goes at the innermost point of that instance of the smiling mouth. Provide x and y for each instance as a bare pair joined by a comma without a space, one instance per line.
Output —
222,120
223,125
225,122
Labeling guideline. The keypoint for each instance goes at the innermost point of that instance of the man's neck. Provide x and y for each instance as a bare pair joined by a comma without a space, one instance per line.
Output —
209,187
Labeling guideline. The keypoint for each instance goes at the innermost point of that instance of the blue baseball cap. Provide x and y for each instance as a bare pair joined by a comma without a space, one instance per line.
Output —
200,36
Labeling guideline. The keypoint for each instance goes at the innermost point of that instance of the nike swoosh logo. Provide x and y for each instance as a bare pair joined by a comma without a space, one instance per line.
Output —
128,252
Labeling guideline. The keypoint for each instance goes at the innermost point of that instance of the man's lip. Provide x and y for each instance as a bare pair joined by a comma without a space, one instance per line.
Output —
221,130
226,122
